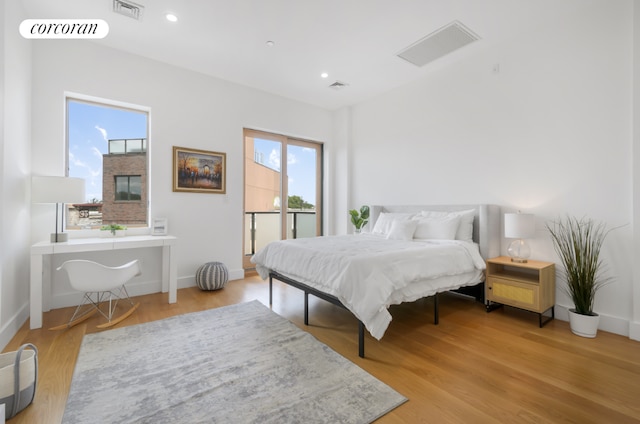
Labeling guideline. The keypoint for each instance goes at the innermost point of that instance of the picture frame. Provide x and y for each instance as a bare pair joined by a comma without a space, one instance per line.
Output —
199,171
159,227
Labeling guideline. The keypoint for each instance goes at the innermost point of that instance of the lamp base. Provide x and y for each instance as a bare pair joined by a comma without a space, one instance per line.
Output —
519,260
519,251
61,237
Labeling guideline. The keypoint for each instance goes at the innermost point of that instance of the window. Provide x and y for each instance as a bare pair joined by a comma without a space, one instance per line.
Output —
107,145
129,187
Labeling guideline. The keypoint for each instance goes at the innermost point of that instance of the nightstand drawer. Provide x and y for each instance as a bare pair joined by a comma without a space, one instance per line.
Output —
514,293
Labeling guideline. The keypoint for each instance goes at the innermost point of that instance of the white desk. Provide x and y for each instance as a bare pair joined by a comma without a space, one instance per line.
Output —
43,249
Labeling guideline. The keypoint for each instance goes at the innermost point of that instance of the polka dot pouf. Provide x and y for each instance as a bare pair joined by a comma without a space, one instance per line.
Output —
212,276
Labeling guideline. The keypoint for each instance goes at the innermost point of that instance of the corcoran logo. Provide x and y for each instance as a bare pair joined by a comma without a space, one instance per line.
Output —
64,28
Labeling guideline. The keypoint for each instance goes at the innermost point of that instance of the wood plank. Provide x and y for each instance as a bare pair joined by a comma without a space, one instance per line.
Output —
474,366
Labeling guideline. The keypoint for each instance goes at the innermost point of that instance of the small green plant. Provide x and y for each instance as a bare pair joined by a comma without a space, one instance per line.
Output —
360,218
113,228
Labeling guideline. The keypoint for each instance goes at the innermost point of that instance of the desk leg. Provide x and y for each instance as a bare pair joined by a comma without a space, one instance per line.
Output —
169,274
35,303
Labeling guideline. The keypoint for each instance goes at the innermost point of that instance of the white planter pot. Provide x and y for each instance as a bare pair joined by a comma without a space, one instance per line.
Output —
583,325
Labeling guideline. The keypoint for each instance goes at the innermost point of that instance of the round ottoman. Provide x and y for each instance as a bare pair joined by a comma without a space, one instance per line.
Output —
212,276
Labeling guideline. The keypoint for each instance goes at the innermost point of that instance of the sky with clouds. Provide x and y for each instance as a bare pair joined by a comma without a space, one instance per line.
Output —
301,166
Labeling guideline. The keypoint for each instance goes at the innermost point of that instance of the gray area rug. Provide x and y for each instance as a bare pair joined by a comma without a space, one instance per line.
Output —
236,364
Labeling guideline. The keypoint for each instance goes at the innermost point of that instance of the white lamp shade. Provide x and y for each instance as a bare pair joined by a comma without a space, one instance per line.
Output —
50,189
519,225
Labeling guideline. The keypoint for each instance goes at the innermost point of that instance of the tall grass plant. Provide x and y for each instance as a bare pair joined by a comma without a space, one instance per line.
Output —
578,243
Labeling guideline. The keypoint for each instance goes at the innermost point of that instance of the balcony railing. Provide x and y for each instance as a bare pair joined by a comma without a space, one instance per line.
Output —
262,228
124,146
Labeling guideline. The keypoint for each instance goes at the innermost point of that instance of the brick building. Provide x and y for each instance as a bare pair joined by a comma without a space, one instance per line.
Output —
124,182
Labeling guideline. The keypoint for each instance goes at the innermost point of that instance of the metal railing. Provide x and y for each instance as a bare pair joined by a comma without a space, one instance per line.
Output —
123,146
262,228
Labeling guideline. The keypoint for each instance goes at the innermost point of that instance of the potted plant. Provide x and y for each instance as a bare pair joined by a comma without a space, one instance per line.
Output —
359,218
578,242
116,230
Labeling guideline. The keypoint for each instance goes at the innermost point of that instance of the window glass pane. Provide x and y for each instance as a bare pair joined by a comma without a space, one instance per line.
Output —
135,146
122,188
107,146
116,146
135,188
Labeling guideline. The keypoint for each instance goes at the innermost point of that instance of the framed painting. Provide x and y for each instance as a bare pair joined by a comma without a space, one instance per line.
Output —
199,171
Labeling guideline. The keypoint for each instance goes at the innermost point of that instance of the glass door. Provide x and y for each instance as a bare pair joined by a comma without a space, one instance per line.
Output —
275,207
303,184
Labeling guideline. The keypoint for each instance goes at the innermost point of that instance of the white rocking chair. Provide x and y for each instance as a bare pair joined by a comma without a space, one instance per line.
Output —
100,284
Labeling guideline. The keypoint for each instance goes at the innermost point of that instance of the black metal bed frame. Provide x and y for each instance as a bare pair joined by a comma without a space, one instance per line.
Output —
331,299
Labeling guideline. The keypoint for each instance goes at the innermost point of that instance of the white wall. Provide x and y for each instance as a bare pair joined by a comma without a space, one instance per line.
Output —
187,109
15,170
550,134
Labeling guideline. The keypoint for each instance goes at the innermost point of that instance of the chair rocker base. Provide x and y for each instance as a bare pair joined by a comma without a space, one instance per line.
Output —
120,318
94,306
74,322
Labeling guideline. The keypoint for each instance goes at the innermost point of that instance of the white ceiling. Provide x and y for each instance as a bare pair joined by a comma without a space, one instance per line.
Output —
354,41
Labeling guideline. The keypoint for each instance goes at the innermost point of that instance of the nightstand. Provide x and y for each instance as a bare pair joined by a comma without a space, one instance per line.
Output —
530,286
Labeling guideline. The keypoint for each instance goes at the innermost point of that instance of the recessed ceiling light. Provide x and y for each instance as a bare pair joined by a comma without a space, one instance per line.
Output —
324,75
171,17
270,43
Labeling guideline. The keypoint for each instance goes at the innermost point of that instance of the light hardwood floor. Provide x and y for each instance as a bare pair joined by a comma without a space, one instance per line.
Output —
474,367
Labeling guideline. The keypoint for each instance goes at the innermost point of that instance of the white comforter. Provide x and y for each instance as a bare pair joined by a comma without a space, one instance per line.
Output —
368,273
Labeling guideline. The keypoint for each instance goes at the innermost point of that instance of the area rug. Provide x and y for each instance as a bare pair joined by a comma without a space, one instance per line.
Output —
235,364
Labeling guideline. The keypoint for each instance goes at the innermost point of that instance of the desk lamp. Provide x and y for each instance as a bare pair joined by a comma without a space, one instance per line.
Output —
58,190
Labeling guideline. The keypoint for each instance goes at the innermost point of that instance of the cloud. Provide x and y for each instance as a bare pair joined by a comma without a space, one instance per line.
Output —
103,132
96,152
81,164
291,159
274,159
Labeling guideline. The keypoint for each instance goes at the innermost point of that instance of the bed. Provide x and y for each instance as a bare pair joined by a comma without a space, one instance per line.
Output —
405,253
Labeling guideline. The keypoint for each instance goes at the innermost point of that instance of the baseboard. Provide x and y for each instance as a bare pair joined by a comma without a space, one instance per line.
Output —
11,328
73,298
607,323
190,281
634,330
236,274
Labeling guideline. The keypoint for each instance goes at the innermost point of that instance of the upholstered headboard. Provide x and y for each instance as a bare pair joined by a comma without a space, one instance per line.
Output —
486,223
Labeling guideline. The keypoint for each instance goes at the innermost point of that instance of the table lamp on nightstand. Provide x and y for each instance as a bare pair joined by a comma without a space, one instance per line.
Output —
519,226
51,189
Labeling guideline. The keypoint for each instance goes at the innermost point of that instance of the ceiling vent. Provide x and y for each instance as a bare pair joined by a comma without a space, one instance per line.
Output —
338,85
439,43
128,8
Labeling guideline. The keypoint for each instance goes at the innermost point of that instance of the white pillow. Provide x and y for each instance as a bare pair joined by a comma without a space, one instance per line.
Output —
437,227
402,229
385,219
465,228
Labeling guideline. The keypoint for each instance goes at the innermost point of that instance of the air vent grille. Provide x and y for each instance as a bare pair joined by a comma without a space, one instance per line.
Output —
439,43
128,8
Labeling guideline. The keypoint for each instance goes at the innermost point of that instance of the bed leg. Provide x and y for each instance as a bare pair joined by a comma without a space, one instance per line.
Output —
436,318
270,290
306,308
360,339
